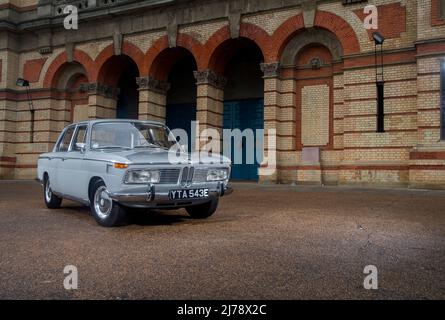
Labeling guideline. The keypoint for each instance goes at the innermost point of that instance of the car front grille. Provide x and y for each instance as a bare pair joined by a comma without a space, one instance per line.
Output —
200,176
173,176
169,176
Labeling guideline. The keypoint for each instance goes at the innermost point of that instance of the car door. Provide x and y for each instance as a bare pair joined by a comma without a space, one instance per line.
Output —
57,157
72,170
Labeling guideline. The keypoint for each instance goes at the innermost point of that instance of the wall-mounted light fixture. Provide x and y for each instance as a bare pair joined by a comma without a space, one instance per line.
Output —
25,83
379,81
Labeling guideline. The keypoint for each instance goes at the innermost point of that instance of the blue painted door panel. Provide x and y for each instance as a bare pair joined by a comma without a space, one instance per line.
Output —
180,116
245,114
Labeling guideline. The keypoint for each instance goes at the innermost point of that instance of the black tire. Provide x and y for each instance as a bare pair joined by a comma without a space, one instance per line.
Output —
51,200
202,211
106,216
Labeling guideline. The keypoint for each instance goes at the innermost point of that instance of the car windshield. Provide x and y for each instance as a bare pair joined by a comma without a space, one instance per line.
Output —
130,135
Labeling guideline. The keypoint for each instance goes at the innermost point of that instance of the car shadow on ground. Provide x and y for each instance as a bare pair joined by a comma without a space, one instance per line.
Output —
140,217
156,217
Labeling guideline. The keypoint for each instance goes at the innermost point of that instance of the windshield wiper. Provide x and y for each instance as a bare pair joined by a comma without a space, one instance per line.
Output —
152,145
114,147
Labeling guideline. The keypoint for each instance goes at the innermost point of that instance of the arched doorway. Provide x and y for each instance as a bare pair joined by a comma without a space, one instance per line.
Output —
175,66
181,97
121,72
128,97
239,61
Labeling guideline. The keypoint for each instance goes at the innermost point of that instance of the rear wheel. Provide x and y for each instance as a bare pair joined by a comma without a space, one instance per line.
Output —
51,200
106,212
202,211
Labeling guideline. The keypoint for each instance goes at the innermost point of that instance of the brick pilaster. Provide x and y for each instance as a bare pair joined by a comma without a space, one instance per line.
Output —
271,122
101,100
209,105
152,98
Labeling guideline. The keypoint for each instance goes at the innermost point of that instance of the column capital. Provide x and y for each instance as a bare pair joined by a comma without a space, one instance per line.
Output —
99,89
210,77
270,69
150,83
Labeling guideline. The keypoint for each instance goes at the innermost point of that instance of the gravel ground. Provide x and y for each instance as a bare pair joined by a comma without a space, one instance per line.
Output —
264,242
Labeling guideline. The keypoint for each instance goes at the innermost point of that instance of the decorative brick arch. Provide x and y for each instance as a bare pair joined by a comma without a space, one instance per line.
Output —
128,49
51,76
340,28
283,34
259,36
248,31
210,46
325,20
160,58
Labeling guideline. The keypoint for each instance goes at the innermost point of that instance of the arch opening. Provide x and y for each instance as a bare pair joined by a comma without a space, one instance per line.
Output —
120,72
239,61
176,66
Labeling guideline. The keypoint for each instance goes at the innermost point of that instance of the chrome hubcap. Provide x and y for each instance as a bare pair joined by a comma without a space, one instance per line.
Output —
48,192
102,202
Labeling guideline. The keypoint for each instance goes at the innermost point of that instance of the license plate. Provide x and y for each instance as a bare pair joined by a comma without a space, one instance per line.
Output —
188,194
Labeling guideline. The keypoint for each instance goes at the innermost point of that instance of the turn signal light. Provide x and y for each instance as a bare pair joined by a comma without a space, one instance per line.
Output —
121,165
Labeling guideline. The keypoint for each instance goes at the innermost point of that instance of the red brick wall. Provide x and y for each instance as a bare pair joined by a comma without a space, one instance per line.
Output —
391,22
32,69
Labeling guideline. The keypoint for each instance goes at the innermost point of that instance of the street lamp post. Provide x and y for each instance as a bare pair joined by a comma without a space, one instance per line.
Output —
25,83
380,81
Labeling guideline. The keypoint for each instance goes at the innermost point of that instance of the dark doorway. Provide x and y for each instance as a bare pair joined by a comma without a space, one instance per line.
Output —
244,103
181,97
128,98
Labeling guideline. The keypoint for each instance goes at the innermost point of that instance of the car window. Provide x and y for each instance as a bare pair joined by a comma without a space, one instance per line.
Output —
65,142
80,137
129,135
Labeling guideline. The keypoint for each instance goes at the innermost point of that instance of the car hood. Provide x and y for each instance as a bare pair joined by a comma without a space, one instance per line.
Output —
161,156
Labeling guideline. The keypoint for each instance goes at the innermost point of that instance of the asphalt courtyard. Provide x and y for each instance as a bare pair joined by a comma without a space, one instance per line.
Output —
264,242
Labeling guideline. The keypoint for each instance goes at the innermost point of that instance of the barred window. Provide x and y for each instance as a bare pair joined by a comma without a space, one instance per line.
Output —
442,100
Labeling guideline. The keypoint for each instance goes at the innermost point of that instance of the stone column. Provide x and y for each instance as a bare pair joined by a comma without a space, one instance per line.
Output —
152,98
271,116
102,100
209,106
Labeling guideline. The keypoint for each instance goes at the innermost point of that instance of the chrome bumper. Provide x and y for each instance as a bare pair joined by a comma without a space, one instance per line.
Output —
157,196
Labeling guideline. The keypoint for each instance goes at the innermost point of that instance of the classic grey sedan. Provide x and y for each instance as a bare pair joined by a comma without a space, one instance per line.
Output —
115,165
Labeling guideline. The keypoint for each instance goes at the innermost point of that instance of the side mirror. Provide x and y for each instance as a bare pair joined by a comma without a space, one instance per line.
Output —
81,146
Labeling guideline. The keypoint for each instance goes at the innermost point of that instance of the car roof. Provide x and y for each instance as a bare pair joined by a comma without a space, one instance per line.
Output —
118,120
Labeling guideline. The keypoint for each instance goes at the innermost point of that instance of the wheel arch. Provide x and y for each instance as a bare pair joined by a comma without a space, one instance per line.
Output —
93,180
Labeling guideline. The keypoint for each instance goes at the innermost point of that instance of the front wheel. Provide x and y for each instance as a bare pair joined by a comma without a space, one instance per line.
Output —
106,212
51,200
202,211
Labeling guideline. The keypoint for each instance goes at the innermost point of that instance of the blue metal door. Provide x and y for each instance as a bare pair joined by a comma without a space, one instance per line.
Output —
245,114
180,116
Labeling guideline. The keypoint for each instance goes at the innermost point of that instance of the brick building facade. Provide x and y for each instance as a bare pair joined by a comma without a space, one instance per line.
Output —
310,63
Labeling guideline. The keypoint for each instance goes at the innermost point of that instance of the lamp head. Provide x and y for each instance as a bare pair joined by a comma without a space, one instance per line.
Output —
22,82
378,38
